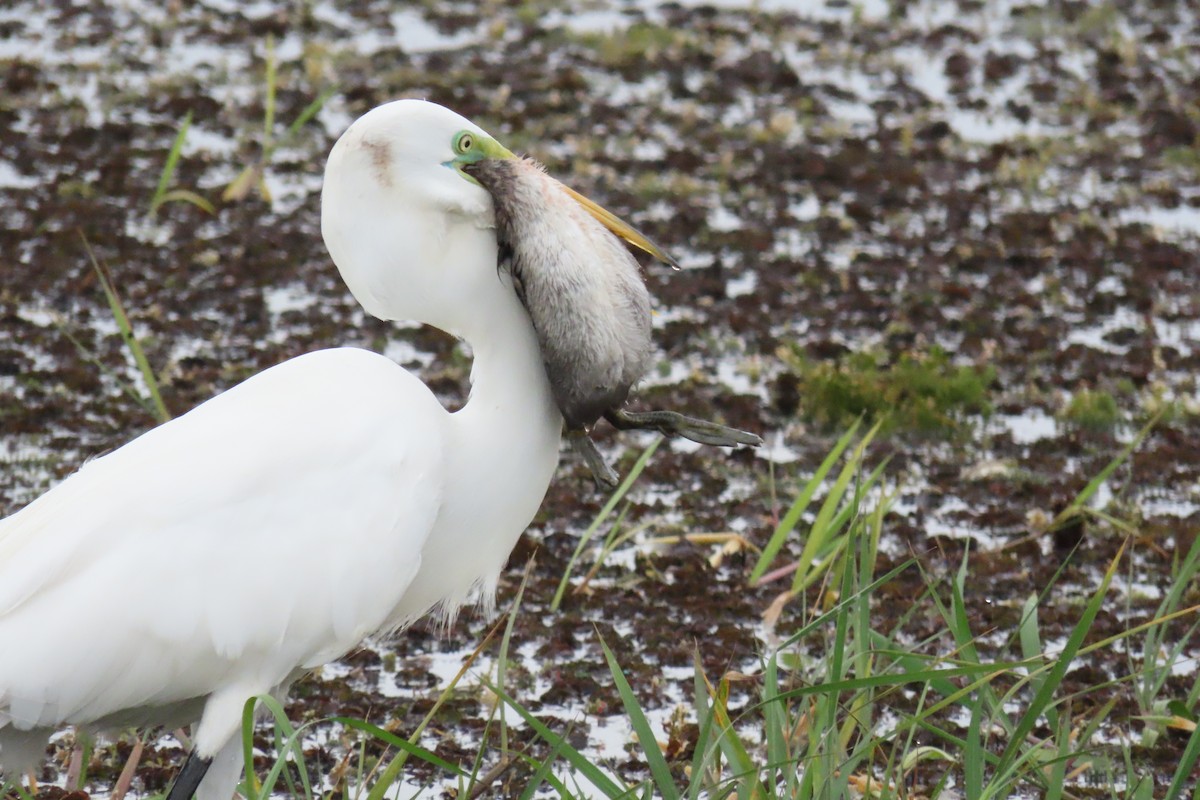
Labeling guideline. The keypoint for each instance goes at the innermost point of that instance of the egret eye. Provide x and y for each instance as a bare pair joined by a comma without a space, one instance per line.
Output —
464,143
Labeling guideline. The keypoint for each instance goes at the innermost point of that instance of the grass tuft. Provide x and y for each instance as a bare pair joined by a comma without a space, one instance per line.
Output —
163,193
922,392
1093,409
253,175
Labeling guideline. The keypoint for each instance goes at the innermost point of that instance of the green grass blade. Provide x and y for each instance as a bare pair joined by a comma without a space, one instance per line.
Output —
8,786
1081,499
744,769
250,177
775,723
1185,772
87,745
616,498
392,772
577,760
902,679
287,739
1058,767
126,329
829,615
821,531
251,789
269,109
1183,576
960,624
701,757
788,523
1041,699
400,743
542,775
168,170
187,196
310,111
87,355
641,726
1031,641
824,545
1027,628
290,742
502,659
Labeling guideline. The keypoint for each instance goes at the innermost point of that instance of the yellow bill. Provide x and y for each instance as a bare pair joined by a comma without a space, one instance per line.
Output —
621,228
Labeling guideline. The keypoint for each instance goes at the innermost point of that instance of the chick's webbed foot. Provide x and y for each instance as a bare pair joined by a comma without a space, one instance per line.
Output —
669,423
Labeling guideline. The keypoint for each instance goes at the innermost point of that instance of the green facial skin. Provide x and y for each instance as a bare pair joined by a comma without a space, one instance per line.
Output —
471,148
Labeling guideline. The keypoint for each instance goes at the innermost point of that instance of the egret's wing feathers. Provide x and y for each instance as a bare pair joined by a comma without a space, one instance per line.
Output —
253,534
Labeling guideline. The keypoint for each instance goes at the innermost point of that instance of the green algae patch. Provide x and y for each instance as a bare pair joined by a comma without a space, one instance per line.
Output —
1093,410
921,392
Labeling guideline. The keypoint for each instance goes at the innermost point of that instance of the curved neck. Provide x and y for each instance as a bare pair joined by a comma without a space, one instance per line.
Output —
508,377
510,428
420,245
502,450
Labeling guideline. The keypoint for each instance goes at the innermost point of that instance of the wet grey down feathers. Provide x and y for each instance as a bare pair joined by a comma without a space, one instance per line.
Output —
581,286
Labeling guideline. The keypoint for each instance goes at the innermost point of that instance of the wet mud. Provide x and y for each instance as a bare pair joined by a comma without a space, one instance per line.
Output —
1015,184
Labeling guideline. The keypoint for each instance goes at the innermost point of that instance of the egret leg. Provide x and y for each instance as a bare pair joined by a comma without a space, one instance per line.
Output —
604,476
669,423
189,777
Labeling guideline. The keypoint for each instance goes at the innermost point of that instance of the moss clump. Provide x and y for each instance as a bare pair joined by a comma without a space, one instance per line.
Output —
921,392
1093,409
634,46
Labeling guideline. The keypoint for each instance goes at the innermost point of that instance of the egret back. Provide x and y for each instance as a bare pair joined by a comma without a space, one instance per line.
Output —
270,528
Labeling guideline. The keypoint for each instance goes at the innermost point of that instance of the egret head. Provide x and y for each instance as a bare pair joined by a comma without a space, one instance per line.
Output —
408,225
410,234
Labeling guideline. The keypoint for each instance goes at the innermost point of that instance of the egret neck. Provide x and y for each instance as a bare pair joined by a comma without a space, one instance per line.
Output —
503,449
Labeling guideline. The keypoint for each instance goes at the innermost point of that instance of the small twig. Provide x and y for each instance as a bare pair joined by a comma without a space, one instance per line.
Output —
705,538
490,777
391,772
127,773
75,767
776,574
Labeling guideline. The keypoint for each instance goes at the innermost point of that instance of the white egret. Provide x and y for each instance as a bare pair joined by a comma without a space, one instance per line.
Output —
226,553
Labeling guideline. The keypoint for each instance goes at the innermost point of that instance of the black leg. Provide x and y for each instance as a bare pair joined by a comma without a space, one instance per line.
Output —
602,473
189,777
668,423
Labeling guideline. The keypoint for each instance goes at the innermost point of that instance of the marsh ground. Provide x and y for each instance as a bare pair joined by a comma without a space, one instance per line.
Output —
1003,196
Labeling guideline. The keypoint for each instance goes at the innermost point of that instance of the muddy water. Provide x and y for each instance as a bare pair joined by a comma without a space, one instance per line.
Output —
1018,185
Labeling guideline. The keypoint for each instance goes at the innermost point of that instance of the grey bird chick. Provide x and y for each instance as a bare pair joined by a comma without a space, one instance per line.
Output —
589,306
582,288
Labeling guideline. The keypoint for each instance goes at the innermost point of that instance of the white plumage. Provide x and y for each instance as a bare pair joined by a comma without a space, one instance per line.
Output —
267,531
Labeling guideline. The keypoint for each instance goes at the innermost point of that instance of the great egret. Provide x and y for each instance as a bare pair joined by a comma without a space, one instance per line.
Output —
266,532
